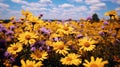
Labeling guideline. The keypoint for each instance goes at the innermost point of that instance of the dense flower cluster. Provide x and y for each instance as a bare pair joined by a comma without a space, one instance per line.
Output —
32,42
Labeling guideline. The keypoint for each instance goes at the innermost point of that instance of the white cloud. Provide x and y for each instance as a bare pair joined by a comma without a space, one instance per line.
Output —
10,13
66,5
34,8
117,9
3,8
2,5
63,13
81,8
98,6
20,2
45,1
16,1
55,10
92,1
78,1
116,1
41,3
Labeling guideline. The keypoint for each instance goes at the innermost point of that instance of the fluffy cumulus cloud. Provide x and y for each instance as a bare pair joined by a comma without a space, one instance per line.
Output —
3,5
45,1
78,1
35,4
117,9
95,5
74,9
66,5
20,1
92,1
98,6
9,13
116,1
63,13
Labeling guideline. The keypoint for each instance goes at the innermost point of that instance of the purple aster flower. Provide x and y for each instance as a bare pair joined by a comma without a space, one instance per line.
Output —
102,27
56,39
89,18
6,54
101,33
33,49
2,43
12,59
4,30
48,49
40,48
44,30
12,27
1,26
114,34
105,23
118,40
9,32
38,44
82,25
79,35
11,36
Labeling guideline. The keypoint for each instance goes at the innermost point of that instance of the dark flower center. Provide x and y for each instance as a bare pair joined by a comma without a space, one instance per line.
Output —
69,59
27,37
86,44
61,47
39,55
15,48
93,65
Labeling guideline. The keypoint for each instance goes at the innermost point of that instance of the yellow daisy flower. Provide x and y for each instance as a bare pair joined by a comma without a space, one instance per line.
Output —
26,13
32,41
95,63
71,59
15,48
65,29
12,18
86,44
49,43
39,55
29,63
60,47
26,37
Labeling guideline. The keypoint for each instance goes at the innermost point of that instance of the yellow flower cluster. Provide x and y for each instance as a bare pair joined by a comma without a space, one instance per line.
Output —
36,41
113,14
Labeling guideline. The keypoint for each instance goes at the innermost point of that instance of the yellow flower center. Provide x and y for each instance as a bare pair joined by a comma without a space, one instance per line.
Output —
15,48
27,37
61,47
30,65
86,44
66,28
39,55
93,65
69,59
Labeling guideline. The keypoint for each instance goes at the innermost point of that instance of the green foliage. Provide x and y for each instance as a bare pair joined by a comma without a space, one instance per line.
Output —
95,17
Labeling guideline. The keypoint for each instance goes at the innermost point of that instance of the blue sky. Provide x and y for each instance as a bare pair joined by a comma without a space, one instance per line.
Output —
58,9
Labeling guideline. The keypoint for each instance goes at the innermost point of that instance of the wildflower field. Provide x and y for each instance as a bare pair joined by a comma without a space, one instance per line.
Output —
33,42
